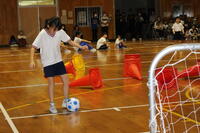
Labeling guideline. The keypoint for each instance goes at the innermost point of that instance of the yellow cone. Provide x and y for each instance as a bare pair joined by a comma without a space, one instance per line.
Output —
79,65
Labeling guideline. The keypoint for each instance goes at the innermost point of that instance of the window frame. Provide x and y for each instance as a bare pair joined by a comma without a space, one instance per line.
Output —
37,5
87,19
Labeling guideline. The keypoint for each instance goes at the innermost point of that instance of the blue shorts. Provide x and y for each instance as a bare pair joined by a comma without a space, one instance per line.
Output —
86,44
54,70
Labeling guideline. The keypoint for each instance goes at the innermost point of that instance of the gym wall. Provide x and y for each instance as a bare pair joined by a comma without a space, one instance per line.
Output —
9,20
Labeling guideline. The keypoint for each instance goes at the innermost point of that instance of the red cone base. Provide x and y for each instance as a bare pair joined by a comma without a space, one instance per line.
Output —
166,79
191,72
92,79
132,66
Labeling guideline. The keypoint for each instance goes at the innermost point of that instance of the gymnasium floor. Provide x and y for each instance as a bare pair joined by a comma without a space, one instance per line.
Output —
121,106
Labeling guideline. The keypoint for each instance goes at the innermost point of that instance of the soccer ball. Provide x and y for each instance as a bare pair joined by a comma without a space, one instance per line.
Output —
73,104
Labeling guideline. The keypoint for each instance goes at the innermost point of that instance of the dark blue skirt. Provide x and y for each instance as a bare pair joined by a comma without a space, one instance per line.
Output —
55,70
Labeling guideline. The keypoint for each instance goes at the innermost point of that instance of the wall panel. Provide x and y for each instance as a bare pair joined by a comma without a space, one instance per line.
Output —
9,20
165,7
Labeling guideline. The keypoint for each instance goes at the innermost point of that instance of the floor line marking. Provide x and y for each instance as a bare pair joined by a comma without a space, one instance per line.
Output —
39,85
7,117
100,109
187,94
26,86
85,111
14,55
57,98
18,71
181,116
9,62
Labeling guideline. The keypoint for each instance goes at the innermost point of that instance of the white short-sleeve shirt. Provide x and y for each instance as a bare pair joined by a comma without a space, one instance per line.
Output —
50,46
117,41
101,42
178,27
78,41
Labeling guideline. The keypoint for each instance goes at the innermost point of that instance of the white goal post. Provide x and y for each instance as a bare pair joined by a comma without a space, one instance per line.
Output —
161,120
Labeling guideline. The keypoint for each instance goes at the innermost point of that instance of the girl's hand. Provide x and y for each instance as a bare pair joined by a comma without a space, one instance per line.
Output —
32,64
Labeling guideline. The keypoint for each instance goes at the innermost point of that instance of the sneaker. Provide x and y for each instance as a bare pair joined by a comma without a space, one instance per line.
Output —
93,50
64,103
52,108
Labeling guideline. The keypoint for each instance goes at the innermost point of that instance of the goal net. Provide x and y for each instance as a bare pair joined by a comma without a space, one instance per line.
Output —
174,90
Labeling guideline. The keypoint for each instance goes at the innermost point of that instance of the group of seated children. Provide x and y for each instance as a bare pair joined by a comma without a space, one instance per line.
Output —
192,34
102,43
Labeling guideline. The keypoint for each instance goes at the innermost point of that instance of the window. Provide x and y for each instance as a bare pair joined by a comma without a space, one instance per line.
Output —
84,15
35,2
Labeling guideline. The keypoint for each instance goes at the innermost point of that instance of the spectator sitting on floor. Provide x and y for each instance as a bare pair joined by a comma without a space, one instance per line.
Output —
102,43
194,33
21,39
13,41
83,42
119,43
187,35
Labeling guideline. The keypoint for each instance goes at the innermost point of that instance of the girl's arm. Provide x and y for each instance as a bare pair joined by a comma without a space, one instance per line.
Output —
85,41
107,43
77,45
63,45
32,53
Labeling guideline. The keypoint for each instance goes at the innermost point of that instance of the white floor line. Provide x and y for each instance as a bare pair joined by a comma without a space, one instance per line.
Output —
96,110
114,64
84,111
7,117
116,78
86,66
10,62
26,86
39,85
14,55
85,56
17,71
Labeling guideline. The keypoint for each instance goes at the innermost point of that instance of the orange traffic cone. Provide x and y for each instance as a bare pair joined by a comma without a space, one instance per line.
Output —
70,68
134,71
132,66
191,72
92,79
167,78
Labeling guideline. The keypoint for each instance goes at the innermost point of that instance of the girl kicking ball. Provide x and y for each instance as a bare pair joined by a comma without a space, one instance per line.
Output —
48,41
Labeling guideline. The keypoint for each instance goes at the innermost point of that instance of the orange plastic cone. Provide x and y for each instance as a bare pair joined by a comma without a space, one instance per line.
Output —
134,72
167,78
92,79
131,56
132,66
70,67
191,72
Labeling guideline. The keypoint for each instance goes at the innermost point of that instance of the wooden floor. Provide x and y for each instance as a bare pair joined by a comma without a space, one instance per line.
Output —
122,103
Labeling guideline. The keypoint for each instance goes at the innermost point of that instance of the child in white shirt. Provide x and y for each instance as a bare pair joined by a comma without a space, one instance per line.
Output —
178,29
48,41
82,42
102,43
119,43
